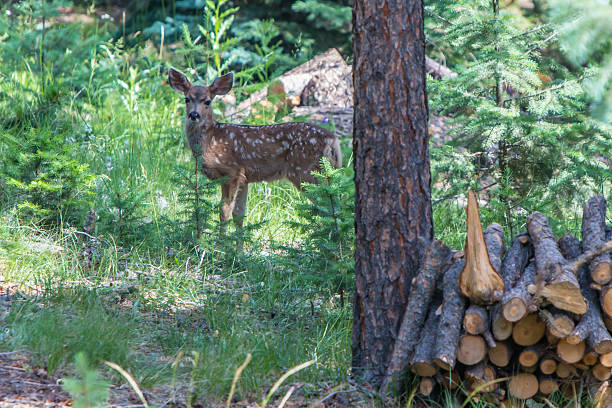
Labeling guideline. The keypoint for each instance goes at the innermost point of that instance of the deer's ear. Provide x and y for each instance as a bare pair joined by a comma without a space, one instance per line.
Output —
178,81
222,85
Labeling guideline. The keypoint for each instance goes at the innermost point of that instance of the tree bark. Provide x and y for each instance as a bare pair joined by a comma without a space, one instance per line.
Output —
393,214
594,236
453,309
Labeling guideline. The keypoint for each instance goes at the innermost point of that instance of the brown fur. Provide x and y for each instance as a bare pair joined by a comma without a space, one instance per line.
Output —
249,154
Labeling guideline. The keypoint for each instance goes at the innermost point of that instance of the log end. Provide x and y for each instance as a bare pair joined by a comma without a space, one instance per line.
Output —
601,273
565,296
523,386
424,369
514,310
603,347
471,350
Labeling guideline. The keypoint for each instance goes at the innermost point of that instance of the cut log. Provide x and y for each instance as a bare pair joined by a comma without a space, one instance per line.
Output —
530,356
479,281
471,349
501,354
556,278
548,385
565,370
606,360
590,358
523,386
591,326
558,323
516,260
529,330
603,396
451,316
426,386
419,299
570,353
601,372
516,300
500,327
606,299
449,379
548,365
422,361
476,320
594,236
481,377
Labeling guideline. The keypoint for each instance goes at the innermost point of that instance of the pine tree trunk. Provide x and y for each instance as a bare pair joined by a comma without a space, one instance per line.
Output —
393,214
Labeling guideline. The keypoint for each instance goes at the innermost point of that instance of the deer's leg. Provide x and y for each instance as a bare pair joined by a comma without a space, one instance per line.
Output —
240,205
228,193
238,213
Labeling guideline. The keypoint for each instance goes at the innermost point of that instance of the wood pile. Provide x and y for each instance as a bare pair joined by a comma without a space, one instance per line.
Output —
511,323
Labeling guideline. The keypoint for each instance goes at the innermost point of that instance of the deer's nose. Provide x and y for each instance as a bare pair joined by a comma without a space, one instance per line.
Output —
194,115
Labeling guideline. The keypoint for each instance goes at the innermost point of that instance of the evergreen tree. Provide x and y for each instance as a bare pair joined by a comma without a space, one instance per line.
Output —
521,115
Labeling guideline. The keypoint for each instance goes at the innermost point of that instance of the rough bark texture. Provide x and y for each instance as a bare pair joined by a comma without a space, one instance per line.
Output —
393,214
594,236
480,280
591,326
516,301
556,279
517,258
419,301
422,361
453,309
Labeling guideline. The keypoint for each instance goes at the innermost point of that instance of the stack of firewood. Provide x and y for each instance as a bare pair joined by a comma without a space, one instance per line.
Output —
511,323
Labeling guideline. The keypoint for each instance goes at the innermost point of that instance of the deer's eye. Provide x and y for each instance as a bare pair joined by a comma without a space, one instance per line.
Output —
186,100
207,102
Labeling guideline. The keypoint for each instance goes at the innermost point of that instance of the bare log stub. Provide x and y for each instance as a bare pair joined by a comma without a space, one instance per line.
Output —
479,281
594,236
601,372
548,365
479,375
558,323
419,299
529,330
591,326
453,308
516,300
516,260
530,355
523,386
500,327
565,370
548,385
449,379
475,320
422,361
426,386
501,354
606,360
570,353
471,349
554,273
590,358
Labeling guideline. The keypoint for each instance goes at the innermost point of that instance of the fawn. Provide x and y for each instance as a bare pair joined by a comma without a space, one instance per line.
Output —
249,154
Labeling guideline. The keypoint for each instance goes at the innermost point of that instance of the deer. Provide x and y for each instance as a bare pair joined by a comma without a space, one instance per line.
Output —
249,154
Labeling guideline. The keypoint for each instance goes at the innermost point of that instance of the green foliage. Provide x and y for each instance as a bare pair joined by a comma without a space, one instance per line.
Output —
520,114
585,33
328,224
81,324
86,389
